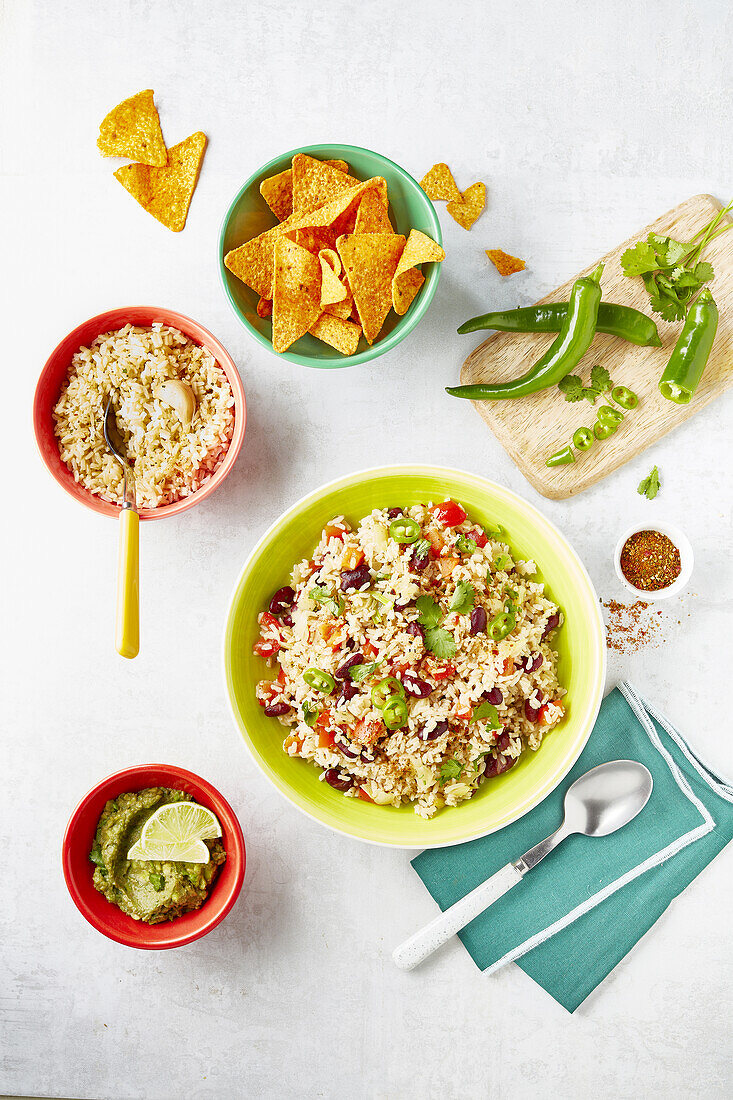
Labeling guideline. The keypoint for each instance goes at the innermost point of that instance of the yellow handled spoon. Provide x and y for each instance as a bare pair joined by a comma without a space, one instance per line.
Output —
127,629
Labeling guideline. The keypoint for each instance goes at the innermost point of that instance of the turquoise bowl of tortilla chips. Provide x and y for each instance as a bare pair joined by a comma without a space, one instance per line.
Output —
249,216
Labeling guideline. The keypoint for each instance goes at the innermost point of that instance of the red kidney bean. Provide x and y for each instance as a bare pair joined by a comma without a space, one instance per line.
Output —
530,663
404,606
346,691
286,619
393,513
415,630
349,644
333,777
531,713
282,601
478,621
433,734
342,673
413,685
495,697
353,579
418,562
501,764
347,750
503,742
276,710
551,624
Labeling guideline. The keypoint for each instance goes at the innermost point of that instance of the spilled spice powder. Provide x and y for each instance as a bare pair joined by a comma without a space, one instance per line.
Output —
631,627
650,561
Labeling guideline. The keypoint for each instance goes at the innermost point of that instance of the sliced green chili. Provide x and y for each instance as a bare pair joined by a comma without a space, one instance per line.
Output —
691,352
319,680
500,627
385,689
574,339
583,439
602,429
608,415
394,712
615,320
624,397
404,529
561,458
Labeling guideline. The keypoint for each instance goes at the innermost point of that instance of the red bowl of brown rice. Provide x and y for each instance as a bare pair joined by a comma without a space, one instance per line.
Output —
130,352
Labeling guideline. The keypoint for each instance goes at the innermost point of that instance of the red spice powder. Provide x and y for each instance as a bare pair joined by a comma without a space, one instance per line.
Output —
650,561
631,627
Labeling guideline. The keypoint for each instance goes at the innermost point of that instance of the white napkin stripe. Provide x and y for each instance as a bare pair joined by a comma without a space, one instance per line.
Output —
640,708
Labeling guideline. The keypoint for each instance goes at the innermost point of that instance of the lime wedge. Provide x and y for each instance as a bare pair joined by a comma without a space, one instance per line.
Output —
177,831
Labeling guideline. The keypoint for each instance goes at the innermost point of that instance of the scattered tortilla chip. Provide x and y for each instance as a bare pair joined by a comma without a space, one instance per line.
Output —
264,307
407,280
332,258
466,210
316,183
277,191
332,289
132,129
439,185
342,335
296,298
372,216
166,193
370,261
503,262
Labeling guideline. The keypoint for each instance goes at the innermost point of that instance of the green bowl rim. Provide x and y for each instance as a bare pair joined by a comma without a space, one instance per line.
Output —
403,327
596,695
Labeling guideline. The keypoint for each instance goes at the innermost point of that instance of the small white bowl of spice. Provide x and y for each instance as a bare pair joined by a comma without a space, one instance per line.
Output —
654,561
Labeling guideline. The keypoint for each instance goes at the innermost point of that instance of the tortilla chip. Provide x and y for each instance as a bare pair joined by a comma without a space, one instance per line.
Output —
132,129
316,183
166,193
470,207
439,185
277,191
407,281
316,240
342,335
370,261
332,258
296,298
343,309
253,261
503,262
332,289
372,215
264,307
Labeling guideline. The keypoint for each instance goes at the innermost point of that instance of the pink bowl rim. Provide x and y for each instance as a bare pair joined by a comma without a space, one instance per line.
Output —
194,331
236,853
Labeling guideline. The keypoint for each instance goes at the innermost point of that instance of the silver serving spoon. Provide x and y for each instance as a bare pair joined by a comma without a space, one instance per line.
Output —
127,629
600,802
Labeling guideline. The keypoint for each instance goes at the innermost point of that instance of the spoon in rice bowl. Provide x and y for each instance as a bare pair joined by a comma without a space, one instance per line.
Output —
127,628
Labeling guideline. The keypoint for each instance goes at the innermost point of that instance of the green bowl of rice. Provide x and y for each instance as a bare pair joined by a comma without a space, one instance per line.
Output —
467,804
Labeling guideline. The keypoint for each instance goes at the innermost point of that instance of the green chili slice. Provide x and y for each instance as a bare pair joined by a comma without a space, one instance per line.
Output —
624,397
385,689
502,626
394,712
687,362
319,680
404,529
608,415
602,429
583,439
561,458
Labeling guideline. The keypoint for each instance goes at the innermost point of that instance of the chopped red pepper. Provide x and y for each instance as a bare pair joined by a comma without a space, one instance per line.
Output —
363,795
449,513
266,647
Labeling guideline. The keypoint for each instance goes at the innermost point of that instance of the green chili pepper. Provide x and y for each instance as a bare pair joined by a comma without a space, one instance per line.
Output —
583,439
608,415
691,352
561,458
394,712
624,397
564,353
500,627
319,680
385,689
603,428
615,320
404,529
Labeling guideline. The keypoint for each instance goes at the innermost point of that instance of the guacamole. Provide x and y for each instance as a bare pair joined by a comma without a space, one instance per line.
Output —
149,890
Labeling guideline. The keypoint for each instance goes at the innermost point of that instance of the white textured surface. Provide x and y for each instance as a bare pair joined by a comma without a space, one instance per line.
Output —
586,121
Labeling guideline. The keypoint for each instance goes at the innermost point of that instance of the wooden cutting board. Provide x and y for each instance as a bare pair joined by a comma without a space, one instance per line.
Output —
531,428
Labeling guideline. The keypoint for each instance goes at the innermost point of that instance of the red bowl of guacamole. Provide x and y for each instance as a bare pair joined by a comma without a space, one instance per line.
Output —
105,916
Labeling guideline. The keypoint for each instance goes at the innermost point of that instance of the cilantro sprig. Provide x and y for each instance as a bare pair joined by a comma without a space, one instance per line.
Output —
449,769
156,880
671,270
322,595
651,485
463,598
438,640
572,386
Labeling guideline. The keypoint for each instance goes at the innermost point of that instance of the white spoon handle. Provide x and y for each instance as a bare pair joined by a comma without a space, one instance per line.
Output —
434,935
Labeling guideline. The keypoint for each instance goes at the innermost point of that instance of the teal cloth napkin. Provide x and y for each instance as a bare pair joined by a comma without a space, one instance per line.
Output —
582,909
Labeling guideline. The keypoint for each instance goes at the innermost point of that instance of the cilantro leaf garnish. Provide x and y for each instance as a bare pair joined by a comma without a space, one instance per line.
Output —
421,548
310,714
157,880
494,532
322,595
572,386
501,561
360,672
96,855
449,769
488,712
640,258
429,612
440,642
651,485
463,598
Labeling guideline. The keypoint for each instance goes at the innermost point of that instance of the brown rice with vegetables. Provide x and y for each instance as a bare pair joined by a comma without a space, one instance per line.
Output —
175,447
414,657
